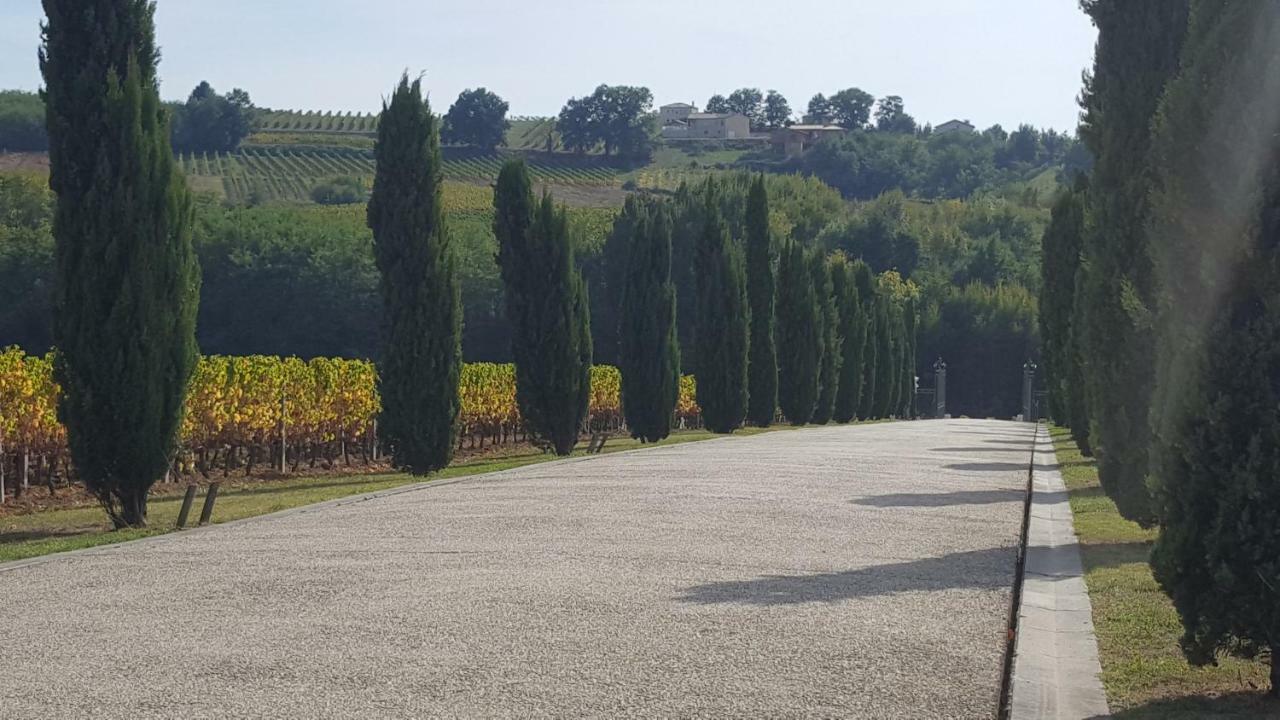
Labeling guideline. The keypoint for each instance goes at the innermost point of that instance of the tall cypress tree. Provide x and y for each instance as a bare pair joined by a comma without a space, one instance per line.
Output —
907,373
865,281
1138,48
853,338
799,335
422,309
763,366
723,322
606,280
649,355
1060,265
829,367
886,355
127,282
547,306
1216,417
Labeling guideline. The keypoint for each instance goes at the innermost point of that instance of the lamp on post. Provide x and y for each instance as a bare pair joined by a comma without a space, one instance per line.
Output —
1028,395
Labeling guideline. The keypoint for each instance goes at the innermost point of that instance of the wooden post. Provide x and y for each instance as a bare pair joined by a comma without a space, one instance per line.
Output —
206,512
3,463
187,500
26,467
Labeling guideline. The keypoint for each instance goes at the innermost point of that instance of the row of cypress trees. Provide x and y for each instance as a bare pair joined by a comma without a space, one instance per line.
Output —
1162,304
792,333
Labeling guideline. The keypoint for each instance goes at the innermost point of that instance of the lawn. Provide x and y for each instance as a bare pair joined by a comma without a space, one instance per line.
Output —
57,530
1143,670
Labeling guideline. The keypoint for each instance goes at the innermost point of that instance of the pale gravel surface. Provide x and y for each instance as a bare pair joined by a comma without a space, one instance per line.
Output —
838,572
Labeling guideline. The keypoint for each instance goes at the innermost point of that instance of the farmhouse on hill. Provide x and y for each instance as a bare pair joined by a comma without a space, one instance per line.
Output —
952,126
675,113
794,140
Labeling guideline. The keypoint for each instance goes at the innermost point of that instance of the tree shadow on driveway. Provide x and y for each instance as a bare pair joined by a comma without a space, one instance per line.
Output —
987,467
1024,449
966,497
989,569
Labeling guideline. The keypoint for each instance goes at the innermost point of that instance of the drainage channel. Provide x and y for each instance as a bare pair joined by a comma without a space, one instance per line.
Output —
1004,700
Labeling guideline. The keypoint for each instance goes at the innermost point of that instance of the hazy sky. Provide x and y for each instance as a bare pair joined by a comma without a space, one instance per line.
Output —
988,61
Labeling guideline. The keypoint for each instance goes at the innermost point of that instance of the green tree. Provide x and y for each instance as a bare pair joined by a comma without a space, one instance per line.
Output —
763,366
607,278
829,369
864,280
887,356
547,306
907,379
819,110
749,102
1216,411
777,111
127,279
577,124
800,333
891,116
212,123
853,337
421,305
1138,50
22,122
851,108
1060,265
723,322
477,118
650,356
718,104
616,117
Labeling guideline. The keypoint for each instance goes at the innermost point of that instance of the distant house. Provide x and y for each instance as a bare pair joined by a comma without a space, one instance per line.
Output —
952,126
793,140
718,126
675,113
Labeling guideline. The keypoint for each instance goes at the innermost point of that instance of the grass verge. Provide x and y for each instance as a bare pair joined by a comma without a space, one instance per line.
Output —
1143,670
59,530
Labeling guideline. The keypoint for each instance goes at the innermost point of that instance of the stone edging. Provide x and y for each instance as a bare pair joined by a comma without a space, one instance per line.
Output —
1055,667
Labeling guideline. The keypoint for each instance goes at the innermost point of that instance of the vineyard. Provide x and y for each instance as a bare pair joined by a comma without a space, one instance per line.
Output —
241,411
315,122
265,173
527,132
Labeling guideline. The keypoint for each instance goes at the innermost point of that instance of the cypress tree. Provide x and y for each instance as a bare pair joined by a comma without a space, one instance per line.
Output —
763,366
723,322
127,279
907,372
421,305
606,280
547,305
1216,417
1138,48
887,356
1060,264
865,281
800,335
829,367
650,355
853,338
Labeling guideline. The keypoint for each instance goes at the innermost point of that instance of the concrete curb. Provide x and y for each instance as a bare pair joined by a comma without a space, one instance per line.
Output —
1055,667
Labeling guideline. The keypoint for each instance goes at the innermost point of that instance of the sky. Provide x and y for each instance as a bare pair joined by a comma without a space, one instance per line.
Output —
986,61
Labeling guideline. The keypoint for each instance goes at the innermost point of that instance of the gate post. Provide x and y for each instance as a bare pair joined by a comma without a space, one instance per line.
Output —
940,389
1028,386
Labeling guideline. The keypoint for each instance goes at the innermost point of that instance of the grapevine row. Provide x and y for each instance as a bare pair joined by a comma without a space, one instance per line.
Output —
241,411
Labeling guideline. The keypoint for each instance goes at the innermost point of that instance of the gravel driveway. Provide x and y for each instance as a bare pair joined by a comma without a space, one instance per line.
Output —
837,572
